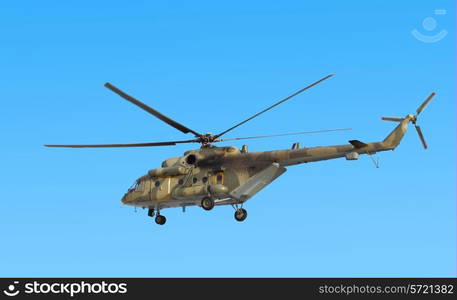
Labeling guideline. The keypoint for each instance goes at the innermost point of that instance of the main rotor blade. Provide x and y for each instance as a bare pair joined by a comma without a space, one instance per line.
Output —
274,105
425,103
150,110
171,143
421,136
283,134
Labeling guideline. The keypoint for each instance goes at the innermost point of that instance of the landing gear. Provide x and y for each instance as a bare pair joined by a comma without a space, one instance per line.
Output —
160,219
241,214
151,212
207,203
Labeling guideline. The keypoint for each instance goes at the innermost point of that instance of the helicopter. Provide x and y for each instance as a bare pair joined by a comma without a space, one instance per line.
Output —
213,176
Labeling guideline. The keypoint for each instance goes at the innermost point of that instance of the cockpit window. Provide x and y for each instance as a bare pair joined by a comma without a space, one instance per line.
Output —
133,186
136,186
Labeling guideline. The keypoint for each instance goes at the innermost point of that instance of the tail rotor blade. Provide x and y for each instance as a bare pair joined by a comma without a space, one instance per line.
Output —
421,136
393,119
424,104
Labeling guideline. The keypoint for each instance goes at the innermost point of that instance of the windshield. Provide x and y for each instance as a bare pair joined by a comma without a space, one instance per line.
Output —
136,186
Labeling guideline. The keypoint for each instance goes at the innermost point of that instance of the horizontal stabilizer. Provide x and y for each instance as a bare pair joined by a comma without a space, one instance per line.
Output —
357,143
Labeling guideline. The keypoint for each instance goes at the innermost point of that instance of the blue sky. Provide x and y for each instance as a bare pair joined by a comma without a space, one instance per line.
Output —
209,65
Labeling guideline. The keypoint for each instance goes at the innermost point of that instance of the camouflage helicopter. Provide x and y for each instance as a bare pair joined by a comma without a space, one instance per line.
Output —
211,176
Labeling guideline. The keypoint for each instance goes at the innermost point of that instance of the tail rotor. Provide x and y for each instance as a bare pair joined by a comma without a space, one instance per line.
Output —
413,119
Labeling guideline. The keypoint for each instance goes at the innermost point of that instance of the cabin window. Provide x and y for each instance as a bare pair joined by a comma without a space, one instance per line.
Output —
181,181
205,179
194,180
157,183
219,178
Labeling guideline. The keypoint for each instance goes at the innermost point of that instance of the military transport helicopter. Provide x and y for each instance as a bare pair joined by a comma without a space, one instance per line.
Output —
211,175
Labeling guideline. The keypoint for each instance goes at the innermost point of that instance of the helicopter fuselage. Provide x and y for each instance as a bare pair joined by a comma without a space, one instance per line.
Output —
230,175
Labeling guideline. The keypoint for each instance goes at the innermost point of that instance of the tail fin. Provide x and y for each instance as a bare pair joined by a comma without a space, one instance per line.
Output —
394,138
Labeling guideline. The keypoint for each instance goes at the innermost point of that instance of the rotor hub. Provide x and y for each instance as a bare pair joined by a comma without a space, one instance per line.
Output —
412,118
206,139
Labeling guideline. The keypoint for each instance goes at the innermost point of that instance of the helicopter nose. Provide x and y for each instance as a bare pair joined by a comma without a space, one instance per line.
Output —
125,198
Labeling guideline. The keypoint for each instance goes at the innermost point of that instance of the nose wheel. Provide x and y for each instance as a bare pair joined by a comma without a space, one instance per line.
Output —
241,214
160,219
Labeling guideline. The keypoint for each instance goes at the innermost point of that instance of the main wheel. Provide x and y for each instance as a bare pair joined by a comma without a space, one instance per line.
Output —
241,214
160,219
207,203
151,212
